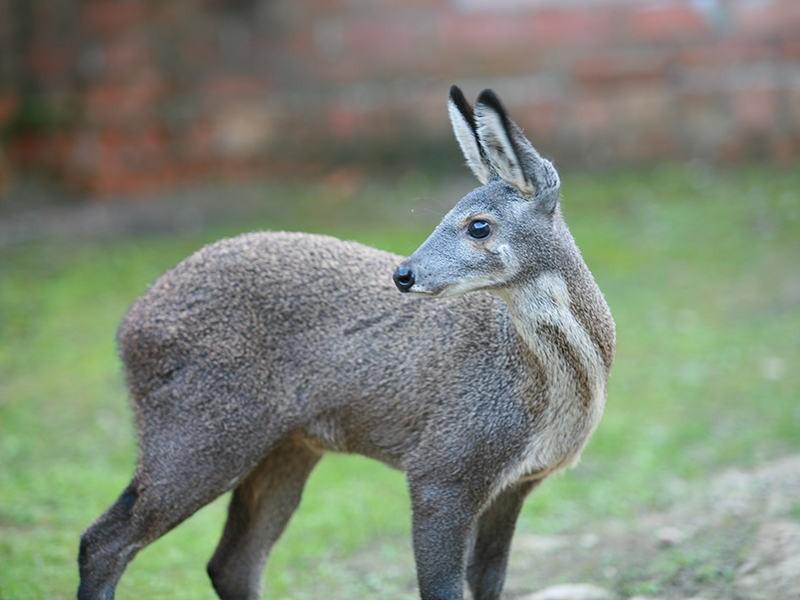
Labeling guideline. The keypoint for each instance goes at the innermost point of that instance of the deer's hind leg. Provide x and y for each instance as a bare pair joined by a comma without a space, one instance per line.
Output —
185,462
146,510
259,511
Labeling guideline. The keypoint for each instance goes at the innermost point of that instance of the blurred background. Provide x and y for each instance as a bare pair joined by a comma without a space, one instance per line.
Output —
125,96
132,132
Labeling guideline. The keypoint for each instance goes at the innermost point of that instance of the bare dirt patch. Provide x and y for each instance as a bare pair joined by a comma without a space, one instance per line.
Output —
714,544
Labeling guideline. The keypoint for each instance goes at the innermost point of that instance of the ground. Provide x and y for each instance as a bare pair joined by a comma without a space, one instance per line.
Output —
699,267
698,546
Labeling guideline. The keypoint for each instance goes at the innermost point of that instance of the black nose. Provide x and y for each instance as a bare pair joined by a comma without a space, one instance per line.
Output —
403,278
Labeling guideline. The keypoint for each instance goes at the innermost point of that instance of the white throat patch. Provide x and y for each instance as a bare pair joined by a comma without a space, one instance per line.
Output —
567,421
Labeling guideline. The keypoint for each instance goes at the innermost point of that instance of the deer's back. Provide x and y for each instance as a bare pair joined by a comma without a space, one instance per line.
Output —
306,317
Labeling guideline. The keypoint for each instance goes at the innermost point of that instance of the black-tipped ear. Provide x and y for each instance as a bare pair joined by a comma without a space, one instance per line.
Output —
462,118
510,153
497,140
457,98
490,99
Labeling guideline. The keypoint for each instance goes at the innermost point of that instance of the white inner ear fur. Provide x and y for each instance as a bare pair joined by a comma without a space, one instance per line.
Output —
468,143
500,150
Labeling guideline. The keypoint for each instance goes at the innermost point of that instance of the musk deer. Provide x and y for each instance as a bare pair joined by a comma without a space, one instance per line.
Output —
256,355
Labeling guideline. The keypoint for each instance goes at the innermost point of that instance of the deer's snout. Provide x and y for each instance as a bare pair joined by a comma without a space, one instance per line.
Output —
403,278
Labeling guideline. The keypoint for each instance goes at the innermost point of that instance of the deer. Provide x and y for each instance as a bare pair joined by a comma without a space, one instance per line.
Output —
477,366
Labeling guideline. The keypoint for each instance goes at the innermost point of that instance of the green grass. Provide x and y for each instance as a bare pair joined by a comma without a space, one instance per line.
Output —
700,269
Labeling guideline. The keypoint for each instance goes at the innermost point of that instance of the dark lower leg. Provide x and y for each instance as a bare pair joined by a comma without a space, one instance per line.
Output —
259,511
443,518
105,549
486,571
143,513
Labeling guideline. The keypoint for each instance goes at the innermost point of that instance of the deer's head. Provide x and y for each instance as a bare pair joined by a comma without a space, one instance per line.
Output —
504,230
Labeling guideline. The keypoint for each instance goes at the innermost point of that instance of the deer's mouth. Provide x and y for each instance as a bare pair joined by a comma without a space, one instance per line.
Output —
424,292
445,291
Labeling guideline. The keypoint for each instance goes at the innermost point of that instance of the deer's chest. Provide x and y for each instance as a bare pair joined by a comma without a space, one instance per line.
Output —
558,438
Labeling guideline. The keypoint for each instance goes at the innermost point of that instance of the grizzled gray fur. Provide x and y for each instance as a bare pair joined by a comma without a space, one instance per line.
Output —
256,355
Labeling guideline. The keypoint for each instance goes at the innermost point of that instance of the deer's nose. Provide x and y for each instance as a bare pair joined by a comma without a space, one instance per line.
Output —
403,278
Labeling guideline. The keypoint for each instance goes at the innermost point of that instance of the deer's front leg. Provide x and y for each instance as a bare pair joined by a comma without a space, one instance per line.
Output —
486,571
443,517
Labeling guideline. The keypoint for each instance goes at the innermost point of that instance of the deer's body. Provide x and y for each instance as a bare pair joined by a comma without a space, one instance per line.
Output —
257,354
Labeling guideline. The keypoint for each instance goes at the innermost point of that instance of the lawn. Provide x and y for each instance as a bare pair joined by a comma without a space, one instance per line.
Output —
700,268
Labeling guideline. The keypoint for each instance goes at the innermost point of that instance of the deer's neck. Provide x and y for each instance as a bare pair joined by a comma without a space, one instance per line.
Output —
569,397
545,320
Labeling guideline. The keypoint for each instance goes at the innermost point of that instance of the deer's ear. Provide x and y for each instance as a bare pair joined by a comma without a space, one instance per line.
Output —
511,155
464,128
497,140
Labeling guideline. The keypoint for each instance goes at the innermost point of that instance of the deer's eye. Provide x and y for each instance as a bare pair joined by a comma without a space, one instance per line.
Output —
478,229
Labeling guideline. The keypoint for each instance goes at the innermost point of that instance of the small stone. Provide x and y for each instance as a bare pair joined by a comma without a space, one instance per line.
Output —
571,591
589,540
669,536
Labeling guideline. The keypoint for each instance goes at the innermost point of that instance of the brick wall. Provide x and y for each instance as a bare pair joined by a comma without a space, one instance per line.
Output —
119,95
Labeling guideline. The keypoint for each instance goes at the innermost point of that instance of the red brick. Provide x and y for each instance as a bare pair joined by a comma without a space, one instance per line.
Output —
483,32
49,60
144,146
384,36
9,101
783,149
755,109
343,182
139,182
546,27
29,150
59,146
591,114
725,51
344,122
792,103
768,18
199,140
116,101
112,16
6,173
614,70
572,26
126,53
732,151
643,111
675,20
541,119
703,122
790,48
223,88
